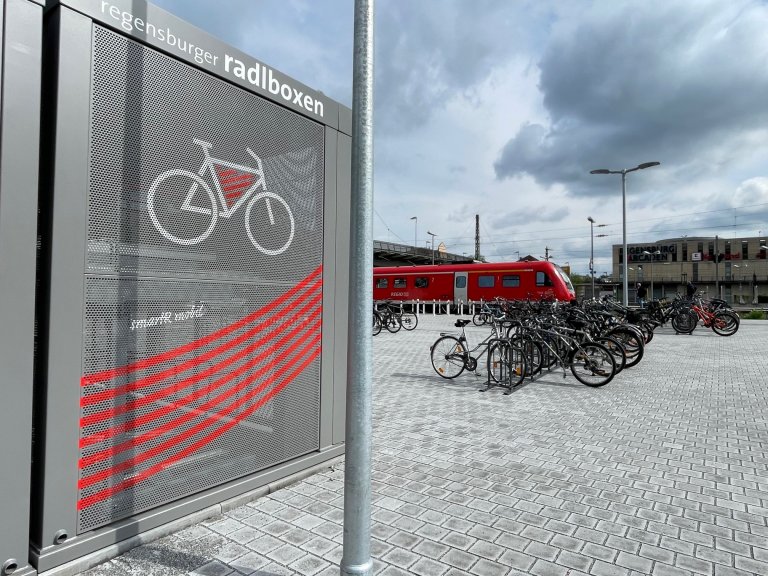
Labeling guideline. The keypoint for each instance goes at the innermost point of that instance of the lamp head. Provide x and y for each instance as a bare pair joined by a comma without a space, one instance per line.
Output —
645,165
600,171
591,219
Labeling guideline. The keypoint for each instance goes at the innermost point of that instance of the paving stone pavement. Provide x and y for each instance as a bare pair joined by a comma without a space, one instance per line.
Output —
662,472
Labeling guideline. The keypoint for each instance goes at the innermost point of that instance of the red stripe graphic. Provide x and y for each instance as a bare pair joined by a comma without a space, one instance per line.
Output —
128,483
296,320
197,360
162,411
242,181
187,416
171,354
106,493
225,172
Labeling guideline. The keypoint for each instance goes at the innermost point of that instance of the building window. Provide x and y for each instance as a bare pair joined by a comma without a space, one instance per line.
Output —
744,250
711,249
399,283
685,251
727,249
421,282
382,283
485,281
512,281
542,279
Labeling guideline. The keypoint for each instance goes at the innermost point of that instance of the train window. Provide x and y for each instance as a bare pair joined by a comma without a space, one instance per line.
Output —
399,283
542,279
461,281
485,281
421,282
512,281
382,283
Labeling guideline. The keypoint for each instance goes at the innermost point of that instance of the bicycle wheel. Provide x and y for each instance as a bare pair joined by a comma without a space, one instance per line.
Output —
281,228
506,363
646,329
409,320
552,350
480,319
592,364
685,321
617,349
448,356
725,323
180,221
392,323
632,341
534,355
376,324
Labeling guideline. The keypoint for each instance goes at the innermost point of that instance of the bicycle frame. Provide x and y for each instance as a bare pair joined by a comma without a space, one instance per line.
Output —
209,163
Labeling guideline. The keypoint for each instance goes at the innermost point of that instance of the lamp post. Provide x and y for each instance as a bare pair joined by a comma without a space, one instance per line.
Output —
433,245
653,257
624,172
592,250
415,229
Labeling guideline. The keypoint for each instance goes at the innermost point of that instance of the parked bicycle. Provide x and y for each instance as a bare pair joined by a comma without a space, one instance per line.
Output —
723,321
392,316
451,354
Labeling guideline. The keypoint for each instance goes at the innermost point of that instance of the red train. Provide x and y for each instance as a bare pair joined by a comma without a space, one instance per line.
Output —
459,283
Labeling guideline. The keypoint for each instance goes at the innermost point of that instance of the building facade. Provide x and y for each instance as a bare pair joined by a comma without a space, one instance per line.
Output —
737,268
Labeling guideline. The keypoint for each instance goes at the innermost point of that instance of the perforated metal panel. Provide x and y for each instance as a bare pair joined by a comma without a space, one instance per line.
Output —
201,351
150,114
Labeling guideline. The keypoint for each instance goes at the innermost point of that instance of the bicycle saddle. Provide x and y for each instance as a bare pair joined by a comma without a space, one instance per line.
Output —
462,323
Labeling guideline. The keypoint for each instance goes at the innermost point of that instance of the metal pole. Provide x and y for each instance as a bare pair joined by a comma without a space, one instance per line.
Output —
592,254
433,246
717,265
356,556
415,229
625,281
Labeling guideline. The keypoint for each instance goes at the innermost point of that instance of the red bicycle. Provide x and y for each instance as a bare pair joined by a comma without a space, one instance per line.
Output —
722,321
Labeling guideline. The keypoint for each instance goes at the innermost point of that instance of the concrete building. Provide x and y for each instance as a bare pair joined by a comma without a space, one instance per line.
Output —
737,267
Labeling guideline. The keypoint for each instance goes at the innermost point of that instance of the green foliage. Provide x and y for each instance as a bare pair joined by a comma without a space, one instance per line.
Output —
755,315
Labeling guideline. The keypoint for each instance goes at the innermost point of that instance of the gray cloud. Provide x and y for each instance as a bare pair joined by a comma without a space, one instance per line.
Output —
430,50
528,214
682,83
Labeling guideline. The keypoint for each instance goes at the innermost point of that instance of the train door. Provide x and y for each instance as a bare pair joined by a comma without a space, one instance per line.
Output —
460,282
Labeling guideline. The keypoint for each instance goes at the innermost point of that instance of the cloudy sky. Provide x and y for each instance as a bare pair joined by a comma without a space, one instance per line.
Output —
501,108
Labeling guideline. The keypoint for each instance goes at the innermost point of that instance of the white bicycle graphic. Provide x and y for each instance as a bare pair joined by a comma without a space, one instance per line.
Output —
234,185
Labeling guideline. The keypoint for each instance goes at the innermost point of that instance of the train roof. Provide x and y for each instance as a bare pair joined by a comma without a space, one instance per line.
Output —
480,267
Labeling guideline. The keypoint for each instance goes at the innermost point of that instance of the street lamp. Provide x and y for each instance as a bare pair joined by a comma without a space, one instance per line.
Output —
652,254
623,173
415,229
592,251
433,245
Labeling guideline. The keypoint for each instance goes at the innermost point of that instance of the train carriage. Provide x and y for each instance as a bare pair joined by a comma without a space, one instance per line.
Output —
463,283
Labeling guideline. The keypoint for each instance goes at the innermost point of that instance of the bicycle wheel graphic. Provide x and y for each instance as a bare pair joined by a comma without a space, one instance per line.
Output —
168,204
278,224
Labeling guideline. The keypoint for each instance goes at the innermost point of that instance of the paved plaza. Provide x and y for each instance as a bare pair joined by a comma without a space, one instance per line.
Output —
664,471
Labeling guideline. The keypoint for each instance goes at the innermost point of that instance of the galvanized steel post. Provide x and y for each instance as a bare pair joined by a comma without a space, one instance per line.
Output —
356,558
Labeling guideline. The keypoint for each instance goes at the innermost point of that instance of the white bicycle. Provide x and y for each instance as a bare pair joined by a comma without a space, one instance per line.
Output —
235,184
